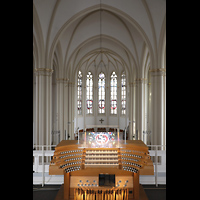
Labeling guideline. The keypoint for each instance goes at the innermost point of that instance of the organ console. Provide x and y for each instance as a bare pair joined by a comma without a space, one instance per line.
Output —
101,172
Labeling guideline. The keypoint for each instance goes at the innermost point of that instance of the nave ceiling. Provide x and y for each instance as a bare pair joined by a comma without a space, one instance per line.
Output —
71,35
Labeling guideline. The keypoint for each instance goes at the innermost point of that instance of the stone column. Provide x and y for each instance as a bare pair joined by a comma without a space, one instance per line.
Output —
149,120
129,108
48,103
164,110
141,108
71,110
146,99
73,104
36,109
66,109
60,106
43,105
157,106
134,109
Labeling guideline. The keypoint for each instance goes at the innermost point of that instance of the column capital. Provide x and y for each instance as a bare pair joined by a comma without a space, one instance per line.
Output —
72,84
43,71
158,72
131,84
62,80
140,80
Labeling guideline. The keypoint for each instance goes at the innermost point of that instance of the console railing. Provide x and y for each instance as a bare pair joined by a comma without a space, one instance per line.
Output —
42,156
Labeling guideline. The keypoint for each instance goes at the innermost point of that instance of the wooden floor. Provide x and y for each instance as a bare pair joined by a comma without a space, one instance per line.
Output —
60,194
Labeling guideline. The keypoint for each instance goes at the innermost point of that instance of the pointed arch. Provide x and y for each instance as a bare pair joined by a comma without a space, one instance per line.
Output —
101,92
162,46
113,93
79,92
89,92
111,9
123,92
38,40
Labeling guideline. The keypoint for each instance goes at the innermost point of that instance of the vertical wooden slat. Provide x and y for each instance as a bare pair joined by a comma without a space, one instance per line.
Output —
66,185
136,186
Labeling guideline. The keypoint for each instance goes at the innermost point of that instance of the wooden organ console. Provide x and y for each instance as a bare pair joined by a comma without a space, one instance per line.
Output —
101,173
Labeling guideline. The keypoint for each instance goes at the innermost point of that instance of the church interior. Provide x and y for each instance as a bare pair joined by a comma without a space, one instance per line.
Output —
99,89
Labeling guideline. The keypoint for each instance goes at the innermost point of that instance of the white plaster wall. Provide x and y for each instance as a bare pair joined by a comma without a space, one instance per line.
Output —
133,33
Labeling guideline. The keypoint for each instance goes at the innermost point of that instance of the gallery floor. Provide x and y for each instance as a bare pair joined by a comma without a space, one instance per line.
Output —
48,192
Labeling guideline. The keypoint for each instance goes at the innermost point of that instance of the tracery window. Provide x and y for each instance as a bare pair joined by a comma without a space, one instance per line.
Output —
123,93
79,91
89,93
101,92
113,93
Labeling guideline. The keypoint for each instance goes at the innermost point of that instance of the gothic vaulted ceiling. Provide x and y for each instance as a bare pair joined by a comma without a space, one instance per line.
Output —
73,34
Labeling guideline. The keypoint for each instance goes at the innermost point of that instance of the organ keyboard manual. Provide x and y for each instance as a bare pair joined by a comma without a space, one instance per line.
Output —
101,167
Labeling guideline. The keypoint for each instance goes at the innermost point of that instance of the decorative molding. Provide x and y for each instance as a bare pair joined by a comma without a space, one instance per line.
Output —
131,84
64,81
140,80
43,71
158,70
70,84
60,80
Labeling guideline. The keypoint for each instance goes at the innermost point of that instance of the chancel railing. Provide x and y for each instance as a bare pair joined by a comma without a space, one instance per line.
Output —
42,158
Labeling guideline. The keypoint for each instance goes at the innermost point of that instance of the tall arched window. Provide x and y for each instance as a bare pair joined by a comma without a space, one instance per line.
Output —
79,93
113,93
101,92
89,93
123,93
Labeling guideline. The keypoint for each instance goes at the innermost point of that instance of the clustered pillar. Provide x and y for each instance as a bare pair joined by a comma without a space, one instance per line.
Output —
43,105
144,112
147,107
158,105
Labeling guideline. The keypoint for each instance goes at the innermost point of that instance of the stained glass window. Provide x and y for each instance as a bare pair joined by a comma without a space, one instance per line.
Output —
123,93
89,93
113,93
101,92
79,95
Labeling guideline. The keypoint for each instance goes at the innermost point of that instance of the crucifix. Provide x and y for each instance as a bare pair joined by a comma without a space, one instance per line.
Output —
101,120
